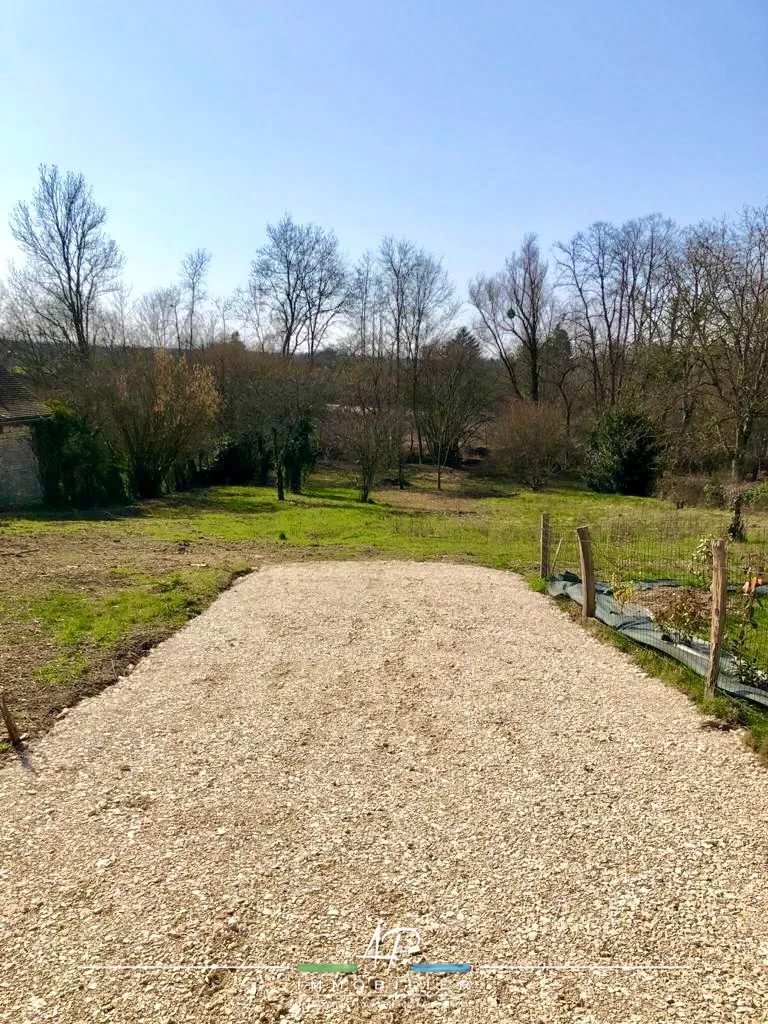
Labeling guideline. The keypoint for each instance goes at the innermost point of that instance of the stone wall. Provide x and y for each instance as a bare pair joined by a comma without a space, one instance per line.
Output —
19,482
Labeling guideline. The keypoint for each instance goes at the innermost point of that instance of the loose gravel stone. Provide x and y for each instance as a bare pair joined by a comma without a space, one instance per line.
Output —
333,746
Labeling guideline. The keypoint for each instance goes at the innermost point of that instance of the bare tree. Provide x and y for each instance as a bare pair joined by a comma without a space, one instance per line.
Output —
561,372
617,286
224,306
730,322
158,318
252,317
69,262
115,320
396,261
193,273
586,270
366,310
367,429
455,395
515,312
671,378
297,287
489,297
430,310
419,303
326,288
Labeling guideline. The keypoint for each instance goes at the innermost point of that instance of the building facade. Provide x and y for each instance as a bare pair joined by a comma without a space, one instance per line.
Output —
19,478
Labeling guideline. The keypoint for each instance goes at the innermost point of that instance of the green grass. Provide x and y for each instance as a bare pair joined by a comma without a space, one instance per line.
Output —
101,620
474,520
80,625
496,531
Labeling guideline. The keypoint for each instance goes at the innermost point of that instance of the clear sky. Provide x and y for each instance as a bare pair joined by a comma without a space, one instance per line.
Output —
461,124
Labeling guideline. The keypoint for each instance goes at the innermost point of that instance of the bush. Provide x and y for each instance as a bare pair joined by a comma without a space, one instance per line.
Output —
530,443
714,495
245,461
694,492
757,498
623,457
77,467
159,410
369,439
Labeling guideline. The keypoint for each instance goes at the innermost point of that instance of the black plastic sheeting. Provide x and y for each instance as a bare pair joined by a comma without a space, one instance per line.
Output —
636,622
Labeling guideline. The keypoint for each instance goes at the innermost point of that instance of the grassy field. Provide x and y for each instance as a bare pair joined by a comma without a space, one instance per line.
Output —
89,594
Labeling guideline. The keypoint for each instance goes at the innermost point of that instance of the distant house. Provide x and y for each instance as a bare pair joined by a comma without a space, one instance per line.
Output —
19,479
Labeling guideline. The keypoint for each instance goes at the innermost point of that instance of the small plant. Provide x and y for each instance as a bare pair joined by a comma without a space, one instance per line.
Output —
701,560
750,670
623,590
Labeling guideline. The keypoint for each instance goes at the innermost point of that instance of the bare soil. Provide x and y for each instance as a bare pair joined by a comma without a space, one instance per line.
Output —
84,563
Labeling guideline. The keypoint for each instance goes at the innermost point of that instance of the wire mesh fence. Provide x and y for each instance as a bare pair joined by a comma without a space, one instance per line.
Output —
653,583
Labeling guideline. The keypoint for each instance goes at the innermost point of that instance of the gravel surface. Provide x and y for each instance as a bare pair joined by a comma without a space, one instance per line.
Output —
429,746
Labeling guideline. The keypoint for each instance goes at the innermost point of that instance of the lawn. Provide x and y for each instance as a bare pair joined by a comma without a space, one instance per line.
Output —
89,594
459,523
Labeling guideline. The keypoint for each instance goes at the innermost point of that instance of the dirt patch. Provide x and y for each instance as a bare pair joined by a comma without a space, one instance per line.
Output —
37,705
91,566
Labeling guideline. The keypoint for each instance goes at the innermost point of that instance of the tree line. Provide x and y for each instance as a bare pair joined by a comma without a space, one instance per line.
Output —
382,360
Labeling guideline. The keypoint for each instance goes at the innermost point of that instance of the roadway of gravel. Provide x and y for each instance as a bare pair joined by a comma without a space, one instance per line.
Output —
430,746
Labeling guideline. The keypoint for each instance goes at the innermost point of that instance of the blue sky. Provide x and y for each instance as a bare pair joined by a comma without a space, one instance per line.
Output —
460,125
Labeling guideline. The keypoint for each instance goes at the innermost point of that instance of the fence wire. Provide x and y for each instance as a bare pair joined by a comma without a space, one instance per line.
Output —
653,582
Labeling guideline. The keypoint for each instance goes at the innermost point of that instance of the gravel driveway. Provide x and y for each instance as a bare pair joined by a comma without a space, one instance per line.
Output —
429,746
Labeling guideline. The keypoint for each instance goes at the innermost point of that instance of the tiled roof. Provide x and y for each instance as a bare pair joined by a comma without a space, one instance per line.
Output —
17,403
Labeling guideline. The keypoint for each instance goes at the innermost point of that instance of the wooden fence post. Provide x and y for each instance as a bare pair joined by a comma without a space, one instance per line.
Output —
719,600
544,546
587,574
10,724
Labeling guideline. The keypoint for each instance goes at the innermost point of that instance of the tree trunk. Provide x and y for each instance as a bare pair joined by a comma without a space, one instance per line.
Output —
278,467
737,462
83,347
534,358
415,411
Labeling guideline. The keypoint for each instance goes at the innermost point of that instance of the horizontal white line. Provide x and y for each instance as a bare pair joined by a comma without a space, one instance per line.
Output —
583,967
342,993
480,967
185,967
